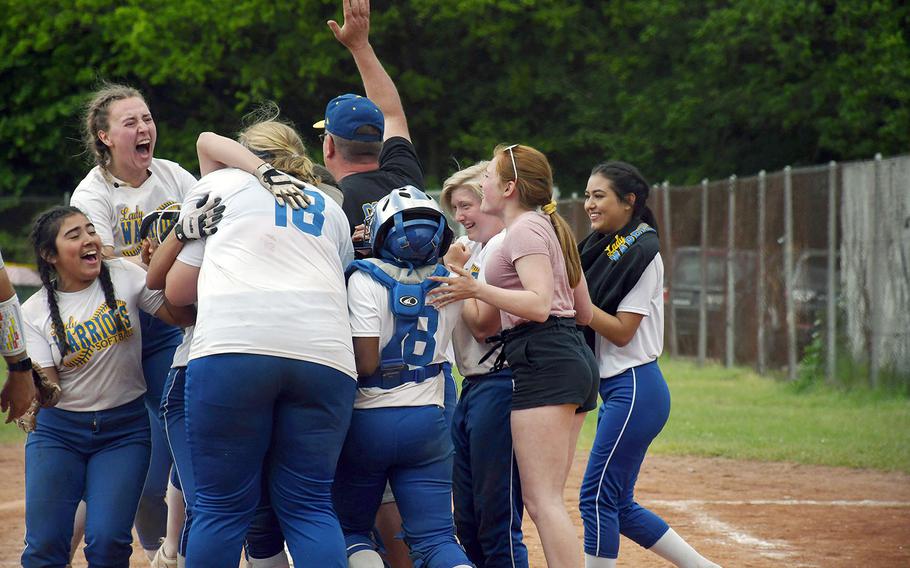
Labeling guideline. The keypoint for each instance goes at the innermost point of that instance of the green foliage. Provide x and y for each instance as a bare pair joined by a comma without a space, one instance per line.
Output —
850,374
735,413
684,90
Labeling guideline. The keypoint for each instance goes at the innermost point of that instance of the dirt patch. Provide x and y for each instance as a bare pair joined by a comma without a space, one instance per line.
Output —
738,513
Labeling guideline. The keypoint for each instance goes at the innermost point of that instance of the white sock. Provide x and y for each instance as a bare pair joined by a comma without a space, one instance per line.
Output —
598,562
672,547
365,559
280,560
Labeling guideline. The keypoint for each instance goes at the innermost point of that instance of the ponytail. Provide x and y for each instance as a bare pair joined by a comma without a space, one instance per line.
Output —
647,216
569,248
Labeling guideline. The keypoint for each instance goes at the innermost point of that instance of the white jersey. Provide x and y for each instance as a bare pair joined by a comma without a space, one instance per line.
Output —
104,366
645,298
116,208
271,279
368,304
468,351
182,353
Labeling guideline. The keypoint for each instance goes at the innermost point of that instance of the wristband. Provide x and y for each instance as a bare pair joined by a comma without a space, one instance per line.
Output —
21,365
12,336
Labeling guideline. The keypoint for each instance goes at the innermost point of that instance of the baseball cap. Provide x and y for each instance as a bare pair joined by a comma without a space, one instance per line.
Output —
346,113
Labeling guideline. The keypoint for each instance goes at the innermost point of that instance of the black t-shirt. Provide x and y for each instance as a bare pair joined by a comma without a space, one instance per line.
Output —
398,166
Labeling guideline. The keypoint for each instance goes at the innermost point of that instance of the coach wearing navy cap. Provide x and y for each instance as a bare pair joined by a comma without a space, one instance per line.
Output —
367,146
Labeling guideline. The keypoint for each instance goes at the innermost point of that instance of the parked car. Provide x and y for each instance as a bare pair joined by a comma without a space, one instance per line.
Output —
686,292
810,291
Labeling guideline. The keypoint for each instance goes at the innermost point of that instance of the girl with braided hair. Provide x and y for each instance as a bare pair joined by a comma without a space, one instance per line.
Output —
536,292
622,263
83,329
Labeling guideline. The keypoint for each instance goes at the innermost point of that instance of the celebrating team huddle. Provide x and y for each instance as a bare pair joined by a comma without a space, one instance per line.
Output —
260,362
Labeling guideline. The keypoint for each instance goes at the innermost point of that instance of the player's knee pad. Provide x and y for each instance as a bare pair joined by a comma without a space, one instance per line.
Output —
365,558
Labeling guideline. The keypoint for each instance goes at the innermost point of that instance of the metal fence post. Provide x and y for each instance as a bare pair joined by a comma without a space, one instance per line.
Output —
762,301
788,274
668,246
878,278
831,290
703,296
729,350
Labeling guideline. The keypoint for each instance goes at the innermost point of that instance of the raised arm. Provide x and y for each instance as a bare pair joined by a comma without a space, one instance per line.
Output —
217,152
354,34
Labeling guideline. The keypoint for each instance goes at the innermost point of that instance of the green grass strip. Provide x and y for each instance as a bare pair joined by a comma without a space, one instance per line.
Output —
735,413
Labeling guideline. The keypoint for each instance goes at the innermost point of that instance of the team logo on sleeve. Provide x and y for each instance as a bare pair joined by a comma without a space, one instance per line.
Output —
96,334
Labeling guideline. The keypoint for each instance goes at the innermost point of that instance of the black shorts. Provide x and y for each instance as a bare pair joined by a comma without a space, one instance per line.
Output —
552,365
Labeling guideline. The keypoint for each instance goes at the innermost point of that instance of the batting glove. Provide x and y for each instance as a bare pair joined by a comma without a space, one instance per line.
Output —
200,222
281,186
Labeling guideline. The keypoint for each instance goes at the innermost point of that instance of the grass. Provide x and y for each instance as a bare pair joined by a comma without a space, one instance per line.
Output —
735,413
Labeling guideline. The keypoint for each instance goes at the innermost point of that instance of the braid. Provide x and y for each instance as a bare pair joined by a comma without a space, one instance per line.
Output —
44,239
59,331
108,286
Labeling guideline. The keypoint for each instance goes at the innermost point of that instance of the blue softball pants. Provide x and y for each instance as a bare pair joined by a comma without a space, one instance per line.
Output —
636,405
241,408
485,481
411,448
173,415
159,341
264,538
100,457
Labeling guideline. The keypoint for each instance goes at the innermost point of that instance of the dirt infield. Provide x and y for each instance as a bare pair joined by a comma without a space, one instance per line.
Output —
738,513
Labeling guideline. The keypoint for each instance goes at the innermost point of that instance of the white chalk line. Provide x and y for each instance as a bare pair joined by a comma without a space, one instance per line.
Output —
772,549
779,502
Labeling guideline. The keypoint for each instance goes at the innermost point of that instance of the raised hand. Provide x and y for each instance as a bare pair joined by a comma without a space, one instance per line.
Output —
355,31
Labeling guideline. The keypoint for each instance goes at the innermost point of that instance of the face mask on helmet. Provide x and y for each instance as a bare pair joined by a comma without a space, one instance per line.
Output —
408,228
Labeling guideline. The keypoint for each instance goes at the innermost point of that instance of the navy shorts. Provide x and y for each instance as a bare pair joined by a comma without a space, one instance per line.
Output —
552,365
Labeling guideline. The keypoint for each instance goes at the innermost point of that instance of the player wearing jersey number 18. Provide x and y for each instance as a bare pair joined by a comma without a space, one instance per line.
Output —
270,380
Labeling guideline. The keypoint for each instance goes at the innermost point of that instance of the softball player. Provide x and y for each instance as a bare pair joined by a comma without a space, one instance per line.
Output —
399,431
127,183
271,369
535,279
621,260
83,330
485,482
281,145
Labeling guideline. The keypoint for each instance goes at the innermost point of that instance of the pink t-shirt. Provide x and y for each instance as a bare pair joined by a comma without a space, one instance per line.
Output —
531,233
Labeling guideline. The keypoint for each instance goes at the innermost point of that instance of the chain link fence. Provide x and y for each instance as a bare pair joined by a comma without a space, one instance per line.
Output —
761,270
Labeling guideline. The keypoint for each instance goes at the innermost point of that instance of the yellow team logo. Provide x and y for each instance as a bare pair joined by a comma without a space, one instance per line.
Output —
95,334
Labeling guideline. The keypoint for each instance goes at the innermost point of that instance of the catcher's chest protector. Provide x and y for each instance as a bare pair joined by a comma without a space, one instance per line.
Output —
411,343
